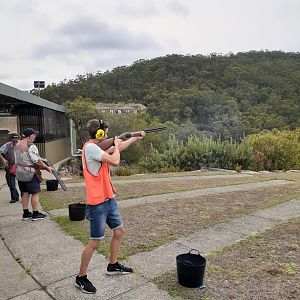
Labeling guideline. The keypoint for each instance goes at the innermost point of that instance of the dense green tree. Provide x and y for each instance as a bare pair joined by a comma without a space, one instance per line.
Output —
81,110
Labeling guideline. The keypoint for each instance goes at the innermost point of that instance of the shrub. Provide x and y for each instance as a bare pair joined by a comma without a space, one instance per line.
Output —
268,150
275,149
238,168
123,171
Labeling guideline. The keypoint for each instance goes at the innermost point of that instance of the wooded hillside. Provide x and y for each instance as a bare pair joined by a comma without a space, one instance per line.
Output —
224,95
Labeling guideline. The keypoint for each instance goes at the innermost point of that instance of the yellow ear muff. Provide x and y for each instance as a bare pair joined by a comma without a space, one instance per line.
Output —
100,134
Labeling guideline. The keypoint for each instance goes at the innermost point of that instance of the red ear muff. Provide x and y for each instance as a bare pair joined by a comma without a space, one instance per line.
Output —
100,134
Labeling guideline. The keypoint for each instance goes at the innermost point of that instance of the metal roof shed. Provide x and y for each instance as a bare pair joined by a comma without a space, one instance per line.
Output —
20,110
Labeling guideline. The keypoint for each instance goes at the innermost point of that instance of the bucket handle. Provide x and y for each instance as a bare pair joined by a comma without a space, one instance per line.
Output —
194,250
187,261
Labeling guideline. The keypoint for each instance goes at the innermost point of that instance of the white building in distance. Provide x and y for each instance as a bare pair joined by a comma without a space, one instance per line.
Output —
120,108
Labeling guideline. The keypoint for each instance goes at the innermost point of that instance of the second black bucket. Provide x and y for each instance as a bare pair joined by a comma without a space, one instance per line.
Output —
77,211
190,269
52,185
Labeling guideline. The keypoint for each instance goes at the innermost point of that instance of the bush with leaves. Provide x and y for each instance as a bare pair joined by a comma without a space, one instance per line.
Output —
198,153
275,150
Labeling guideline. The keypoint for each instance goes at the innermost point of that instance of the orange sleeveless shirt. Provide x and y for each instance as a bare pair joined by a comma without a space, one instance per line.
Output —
98,187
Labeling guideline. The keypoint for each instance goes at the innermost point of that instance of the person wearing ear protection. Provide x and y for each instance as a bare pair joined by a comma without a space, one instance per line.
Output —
102,207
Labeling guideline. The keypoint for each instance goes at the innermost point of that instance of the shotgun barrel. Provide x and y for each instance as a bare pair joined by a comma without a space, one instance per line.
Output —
56,175
149,130
128,135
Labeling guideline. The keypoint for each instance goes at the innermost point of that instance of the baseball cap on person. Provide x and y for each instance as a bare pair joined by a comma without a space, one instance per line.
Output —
29,131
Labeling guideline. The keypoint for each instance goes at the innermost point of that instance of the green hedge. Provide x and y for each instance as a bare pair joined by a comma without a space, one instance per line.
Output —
268,150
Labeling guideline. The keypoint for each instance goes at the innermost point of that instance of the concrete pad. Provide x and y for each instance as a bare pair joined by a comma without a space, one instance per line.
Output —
148,291
7,208
11,209
10,221
34,295
247,225
25,229
210,239
280,212
295,203
14,280
158,261
107,286
47,251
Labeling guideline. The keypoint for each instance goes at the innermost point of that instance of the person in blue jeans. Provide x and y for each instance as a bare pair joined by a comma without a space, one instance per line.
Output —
102,207
7,155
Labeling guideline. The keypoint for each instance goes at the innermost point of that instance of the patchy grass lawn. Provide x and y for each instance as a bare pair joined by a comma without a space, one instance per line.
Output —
151,225
265,266
60,199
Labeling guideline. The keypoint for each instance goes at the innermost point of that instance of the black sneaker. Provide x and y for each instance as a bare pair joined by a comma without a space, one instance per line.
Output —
13,200
38,216
85,285
118,269
27,215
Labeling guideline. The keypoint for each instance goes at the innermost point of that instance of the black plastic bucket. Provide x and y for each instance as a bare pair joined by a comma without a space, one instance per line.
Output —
52,185
190,269
77,211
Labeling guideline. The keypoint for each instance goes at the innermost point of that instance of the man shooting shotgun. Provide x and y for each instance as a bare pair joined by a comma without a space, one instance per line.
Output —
102,207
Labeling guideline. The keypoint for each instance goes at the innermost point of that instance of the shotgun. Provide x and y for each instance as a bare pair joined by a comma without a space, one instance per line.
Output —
106,144
54,172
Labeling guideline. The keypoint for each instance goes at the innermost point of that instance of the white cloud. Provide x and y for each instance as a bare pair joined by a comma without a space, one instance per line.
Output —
177,7
55,40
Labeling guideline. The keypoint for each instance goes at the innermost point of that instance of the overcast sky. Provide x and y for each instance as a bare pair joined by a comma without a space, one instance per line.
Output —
58,39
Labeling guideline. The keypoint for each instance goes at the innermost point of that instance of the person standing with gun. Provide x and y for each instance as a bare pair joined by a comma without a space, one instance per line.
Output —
29,163
102,207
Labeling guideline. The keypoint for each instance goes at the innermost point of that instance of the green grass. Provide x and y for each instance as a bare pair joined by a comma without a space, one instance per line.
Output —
290,268
47,201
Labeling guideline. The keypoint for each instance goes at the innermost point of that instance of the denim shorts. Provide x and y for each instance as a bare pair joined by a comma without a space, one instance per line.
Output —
101,214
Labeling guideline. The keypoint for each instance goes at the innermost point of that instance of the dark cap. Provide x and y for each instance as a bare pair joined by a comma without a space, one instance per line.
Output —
13,135
29,131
